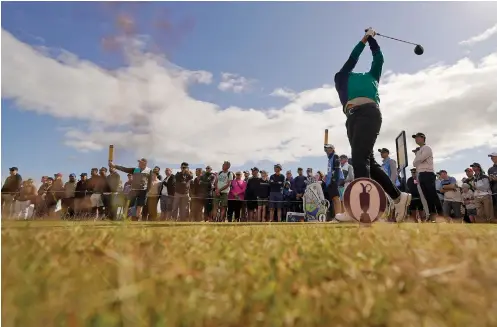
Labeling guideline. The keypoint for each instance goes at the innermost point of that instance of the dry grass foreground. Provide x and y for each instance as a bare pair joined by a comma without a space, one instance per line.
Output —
136,274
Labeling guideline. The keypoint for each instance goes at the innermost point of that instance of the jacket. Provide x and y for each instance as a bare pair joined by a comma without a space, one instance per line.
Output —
141,177
170,184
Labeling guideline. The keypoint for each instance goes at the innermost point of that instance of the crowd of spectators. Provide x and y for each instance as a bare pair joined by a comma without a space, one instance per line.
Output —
204,195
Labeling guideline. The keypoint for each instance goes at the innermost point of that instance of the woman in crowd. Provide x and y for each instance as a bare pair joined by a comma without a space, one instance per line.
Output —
236,196
153,196
262,197
483,195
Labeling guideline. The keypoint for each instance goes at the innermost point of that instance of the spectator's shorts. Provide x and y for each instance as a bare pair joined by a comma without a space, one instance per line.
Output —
471,212
251,203
416,204
96,200
262,202
166,203
221,200
137,198
275,200
333,190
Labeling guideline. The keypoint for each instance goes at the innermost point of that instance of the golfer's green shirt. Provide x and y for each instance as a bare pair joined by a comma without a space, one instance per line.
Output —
355,85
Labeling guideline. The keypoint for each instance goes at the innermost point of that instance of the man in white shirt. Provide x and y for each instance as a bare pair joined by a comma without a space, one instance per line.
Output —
423,162
348,174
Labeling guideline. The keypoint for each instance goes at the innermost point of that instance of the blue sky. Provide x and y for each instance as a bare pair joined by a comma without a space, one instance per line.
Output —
280,45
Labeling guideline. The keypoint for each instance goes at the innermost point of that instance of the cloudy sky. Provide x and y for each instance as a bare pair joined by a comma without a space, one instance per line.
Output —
247,82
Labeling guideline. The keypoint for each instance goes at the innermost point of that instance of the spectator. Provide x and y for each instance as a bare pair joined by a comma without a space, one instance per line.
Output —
157,171
251,191
423,162
438,187
10,188
167,190
198,196
483,197
288,198
416,206
153,197
207,186
50,198
127,184
94,192
492,174
289,177
181,200
58,186
310,178
334,177
276,182
263,196
111,201
27,196
452,196
389,166
236,197
222,190
82,197
299,185
246,175
67,202
140,184
470,178
468,198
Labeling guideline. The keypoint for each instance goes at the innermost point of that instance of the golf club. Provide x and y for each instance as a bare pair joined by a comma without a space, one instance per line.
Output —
418,49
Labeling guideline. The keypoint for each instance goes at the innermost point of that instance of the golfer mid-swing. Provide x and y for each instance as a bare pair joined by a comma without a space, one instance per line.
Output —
358,93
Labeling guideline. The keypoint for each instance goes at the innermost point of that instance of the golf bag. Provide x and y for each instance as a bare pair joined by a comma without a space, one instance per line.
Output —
315,204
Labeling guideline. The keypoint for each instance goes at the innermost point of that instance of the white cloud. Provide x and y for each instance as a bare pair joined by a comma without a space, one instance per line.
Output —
235,83
146,108
485,35
284,93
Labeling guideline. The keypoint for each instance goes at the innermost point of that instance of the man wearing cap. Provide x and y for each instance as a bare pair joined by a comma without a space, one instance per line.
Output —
452,196
139,186
207,185
334,177
310,177
253,185
470,178
81,196
358,93
276,182
10,188
67,203
166,191
483,195
222,189
423,162
492,174
197,195
181,200
299,186
389,165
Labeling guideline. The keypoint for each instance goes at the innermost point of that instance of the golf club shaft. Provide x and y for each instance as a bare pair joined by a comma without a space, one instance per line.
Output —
389,37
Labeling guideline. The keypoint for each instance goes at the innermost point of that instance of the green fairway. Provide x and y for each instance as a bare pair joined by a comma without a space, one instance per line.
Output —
170,274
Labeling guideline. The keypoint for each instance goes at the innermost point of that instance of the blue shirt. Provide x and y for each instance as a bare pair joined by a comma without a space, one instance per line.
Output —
334,172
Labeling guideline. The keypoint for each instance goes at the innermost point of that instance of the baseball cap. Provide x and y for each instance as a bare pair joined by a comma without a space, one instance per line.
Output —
13,169
493,154
278,166
184,164
468,169
383,150
300,169
72,175
442,171
418,134
143,159
329,146
83,174
255,169
208,167
475,164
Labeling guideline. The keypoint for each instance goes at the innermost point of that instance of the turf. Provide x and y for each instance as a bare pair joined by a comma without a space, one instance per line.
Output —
135,274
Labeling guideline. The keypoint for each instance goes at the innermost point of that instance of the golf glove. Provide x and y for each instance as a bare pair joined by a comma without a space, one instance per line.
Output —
370,32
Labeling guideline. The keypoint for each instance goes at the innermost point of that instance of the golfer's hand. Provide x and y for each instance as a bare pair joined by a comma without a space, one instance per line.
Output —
370,32
111,164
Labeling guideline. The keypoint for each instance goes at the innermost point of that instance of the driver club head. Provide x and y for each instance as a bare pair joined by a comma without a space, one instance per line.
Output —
419,50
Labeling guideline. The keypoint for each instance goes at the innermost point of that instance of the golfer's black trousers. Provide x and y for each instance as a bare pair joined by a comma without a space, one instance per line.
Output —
363,126
427,183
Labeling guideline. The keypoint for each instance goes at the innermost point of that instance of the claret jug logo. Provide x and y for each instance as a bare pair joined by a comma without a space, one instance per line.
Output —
364,200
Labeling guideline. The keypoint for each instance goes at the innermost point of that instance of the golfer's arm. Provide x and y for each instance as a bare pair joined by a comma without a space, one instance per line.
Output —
124,169
354,57
378,60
